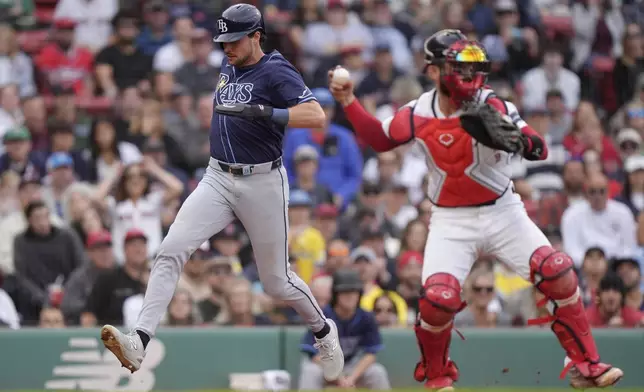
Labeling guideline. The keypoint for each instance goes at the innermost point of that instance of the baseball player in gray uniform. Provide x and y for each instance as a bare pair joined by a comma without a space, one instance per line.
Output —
258,95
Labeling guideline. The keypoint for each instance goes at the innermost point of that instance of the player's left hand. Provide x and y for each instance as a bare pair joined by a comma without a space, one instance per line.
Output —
245,110
491,128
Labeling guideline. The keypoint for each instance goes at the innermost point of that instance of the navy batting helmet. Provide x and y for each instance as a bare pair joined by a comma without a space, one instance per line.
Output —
237,21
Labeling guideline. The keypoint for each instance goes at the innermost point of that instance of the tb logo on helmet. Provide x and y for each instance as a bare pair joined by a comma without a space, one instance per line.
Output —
221,26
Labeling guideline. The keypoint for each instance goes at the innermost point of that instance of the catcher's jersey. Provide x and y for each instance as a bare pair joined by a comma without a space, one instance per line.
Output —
462,172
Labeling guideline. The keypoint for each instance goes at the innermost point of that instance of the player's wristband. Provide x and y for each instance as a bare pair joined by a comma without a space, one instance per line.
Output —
280,116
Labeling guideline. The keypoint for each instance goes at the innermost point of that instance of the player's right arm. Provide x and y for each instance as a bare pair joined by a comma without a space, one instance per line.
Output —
368,128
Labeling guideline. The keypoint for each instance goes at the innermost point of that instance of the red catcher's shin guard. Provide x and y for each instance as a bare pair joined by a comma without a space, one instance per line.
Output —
552,273
434,355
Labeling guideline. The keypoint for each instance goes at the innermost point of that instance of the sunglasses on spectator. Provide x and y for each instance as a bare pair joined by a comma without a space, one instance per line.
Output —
481,289
629,146
386,309
636,113
596,191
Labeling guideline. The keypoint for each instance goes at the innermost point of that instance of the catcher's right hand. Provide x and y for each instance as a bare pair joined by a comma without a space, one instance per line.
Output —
491,128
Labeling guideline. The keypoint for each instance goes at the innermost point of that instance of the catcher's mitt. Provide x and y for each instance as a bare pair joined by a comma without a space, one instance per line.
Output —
491,128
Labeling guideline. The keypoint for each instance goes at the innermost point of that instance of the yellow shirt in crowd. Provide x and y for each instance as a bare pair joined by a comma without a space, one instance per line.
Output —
309,249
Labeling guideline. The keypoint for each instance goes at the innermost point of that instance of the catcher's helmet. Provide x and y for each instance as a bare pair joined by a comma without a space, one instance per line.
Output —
437,45
346,280
237,21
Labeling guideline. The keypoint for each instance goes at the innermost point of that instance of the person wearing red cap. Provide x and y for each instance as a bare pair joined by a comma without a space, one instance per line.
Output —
64,63
108,295
79,285
409,273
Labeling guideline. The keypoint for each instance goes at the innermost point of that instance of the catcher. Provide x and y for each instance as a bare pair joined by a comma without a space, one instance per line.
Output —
469,136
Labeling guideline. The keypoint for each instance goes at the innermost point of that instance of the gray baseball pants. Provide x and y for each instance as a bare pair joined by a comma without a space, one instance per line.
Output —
312,378
260,201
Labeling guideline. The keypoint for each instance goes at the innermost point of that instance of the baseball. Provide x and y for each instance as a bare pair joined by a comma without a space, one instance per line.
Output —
341,75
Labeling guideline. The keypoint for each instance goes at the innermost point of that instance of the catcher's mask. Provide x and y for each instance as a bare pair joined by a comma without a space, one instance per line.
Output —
464,68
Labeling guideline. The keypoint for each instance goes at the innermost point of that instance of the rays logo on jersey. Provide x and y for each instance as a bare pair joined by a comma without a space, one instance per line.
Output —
230,93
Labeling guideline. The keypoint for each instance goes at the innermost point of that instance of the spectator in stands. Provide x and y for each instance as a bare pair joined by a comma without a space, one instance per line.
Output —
598,221
629,142
609,309
148,125
599,27
403,90
371,267
51,317
178,116
63,140
306,168
155,150
10,112
60,168
189,9
93,18
414,237
157,31
587,134
219,271
630,271
326,220
79,285
228,242
551,75
182,311
385,312
483,310
560,117
340,165
305,242
337,257
171,56
135,205
122,64
321,289
517,48
374,88
20,66
629,66
362,341
19,156
9,201
238,310
634,114
89,222
9,317
36,117
408,273
200,75
593,269
633,192
193,279
388,40
64,254
397,209
107,153
65,62
194,142
106,300
335,33
76,199
29,191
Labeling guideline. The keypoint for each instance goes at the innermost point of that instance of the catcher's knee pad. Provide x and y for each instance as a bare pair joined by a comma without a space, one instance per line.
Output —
552,273
440,299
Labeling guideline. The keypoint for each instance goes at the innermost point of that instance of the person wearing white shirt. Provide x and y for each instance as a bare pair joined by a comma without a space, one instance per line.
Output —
93,18
136,207
8,313
550,75
171,56
598,222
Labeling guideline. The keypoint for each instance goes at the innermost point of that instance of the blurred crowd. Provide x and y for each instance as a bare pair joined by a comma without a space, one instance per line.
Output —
105,110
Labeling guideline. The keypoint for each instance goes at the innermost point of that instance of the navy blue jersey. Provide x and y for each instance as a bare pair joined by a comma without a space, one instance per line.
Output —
360,334
272,81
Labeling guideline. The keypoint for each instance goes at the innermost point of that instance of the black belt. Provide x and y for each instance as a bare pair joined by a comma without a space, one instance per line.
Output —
484,204
246,170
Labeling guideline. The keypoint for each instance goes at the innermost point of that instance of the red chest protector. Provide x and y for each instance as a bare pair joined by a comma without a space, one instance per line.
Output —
456,176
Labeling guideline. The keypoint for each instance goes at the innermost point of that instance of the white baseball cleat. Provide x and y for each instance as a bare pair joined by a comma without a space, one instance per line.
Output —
331,355
127,348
